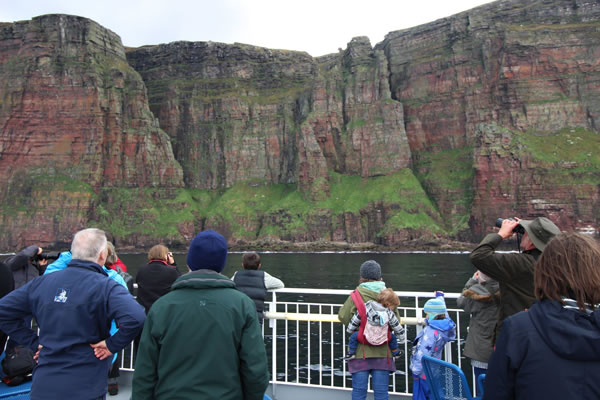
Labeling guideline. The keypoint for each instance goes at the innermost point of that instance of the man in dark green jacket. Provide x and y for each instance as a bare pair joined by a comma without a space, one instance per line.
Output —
202,340
514,271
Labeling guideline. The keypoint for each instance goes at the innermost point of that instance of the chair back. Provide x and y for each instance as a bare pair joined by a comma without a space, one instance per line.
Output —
446,381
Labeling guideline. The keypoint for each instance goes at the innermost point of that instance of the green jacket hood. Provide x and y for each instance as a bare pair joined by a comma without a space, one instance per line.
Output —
202,279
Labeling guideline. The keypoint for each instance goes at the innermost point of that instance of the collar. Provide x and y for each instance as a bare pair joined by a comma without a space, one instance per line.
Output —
85,264
158,261
375,286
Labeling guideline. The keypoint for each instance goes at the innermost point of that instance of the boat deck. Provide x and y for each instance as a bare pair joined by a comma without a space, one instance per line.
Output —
280,392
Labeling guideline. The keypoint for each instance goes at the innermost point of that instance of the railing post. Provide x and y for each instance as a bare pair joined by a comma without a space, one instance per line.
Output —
273,326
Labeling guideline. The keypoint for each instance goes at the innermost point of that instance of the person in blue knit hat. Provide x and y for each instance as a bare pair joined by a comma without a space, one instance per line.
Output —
439,329
203,335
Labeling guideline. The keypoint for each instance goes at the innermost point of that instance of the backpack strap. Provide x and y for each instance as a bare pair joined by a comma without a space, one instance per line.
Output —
362,312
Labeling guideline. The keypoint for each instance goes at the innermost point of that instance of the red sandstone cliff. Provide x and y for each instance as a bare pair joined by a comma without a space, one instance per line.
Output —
74,118
428,136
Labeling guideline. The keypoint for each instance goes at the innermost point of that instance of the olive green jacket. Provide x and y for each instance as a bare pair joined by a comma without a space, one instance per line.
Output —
345,315
514,272
202,340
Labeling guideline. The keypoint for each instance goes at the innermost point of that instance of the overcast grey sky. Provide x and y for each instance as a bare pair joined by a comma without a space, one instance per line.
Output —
316,26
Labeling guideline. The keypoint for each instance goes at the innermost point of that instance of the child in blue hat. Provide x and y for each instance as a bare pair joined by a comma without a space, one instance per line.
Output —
439,329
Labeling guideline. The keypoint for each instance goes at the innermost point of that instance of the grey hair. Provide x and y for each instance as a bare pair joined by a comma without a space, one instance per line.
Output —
88,244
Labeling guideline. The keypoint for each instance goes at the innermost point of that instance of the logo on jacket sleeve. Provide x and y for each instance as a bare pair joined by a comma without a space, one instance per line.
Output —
61,295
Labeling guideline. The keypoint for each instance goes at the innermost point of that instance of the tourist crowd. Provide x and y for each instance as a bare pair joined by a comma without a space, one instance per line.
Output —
534,327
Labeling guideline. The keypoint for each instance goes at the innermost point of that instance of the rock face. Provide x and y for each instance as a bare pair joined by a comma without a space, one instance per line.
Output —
428,136
75,119
529,67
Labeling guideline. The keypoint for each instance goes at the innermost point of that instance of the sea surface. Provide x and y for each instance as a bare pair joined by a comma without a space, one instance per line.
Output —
401,271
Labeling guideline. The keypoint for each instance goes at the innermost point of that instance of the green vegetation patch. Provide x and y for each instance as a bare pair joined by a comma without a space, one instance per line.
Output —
575,145
448,175
449,169
284,212
40,191
570,156
149,211
252,210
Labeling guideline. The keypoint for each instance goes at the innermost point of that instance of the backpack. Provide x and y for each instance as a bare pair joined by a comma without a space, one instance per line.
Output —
18,365
371,334
377,334
126,277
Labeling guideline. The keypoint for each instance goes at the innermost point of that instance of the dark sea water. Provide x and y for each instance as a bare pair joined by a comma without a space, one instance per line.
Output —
401,271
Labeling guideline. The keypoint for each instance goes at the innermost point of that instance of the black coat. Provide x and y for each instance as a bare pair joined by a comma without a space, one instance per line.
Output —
7,284
252,283
22,268
154,280
548,352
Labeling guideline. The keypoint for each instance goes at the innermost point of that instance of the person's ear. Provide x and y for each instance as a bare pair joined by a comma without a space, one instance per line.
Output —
102,257
259,264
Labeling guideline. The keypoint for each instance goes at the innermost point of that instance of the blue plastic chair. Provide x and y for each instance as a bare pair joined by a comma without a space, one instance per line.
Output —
446,381
267,397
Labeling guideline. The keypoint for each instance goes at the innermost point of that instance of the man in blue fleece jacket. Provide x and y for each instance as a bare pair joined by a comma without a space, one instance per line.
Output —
73,308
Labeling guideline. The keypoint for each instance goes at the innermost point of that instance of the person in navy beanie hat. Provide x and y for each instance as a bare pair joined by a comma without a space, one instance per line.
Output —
208,250
206,311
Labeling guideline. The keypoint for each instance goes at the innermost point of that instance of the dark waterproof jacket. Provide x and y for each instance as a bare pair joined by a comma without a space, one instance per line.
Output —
7,285
548,352
154,280
22,268
514,272
201,341
481,301
73,308
252,282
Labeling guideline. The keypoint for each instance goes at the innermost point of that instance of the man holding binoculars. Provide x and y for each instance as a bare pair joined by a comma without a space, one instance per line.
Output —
514,271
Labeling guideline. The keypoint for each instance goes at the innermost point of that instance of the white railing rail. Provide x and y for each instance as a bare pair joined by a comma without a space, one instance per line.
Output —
306,342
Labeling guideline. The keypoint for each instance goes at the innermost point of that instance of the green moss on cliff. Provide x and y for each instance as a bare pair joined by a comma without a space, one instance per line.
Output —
254,210
567,157
286,212
147,211
577,145
448,175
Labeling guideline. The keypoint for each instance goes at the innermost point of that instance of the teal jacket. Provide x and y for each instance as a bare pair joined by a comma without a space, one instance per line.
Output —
201,341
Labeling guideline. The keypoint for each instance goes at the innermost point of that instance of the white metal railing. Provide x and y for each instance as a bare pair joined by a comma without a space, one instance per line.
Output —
306,342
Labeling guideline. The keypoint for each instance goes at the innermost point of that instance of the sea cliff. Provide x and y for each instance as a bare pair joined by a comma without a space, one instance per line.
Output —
422,140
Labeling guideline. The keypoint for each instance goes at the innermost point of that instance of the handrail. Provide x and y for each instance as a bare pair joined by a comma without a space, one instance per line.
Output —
327,317
306,341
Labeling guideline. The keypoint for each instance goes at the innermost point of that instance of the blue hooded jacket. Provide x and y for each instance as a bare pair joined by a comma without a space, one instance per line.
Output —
431,341
73,308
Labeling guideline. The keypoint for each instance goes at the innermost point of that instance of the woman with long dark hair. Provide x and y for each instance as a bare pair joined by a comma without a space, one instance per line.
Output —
552,350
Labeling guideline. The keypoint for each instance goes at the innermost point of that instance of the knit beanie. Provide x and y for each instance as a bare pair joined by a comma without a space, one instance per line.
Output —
370,270
434,307
208,250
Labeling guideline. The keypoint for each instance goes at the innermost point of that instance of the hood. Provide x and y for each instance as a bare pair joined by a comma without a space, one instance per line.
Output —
367,294
376,313
484,291
446,327
203,279
572,334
